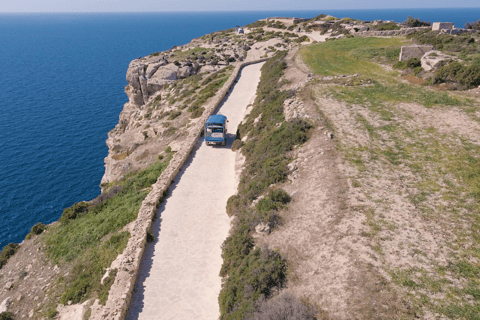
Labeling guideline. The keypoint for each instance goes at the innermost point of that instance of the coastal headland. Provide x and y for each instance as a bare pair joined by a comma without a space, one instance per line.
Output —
350,184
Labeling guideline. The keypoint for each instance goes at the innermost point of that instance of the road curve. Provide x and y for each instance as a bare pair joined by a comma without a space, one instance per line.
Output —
179,271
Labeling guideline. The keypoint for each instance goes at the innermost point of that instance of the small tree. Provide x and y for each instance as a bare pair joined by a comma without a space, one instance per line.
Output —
415,22
475,25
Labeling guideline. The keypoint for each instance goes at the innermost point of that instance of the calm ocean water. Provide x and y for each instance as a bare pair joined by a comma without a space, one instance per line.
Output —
61,91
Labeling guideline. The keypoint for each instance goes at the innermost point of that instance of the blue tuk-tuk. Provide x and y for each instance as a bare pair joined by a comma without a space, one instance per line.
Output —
216,130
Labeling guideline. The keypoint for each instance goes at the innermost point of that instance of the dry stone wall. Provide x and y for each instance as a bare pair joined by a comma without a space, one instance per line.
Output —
384,33
128,263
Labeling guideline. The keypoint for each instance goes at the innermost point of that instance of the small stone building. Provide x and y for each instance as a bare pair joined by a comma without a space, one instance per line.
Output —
437,26
414,51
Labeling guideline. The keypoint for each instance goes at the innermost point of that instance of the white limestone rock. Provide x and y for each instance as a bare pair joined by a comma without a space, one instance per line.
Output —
4,305
431,58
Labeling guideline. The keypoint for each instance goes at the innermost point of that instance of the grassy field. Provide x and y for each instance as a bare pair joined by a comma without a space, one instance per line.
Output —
350,56
413,147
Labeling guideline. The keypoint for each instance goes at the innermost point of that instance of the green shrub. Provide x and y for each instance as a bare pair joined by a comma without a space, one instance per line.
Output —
251,273
257,24
454,72
463,43
302,39
8,251
174,114
196,112
6,316
275,200
36,230
473,25
415,22
51,312
150,236
168,149
385,26
413,63
319,17
74,211
259,274
237,144
409,63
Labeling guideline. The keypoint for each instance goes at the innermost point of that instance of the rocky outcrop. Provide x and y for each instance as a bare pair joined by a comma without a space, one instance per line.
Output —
4,305
145,78
431,58
145,128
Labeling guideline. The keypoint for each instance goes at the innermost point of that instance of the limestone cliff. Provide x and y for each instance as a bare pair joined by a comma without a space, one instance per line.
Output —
166,91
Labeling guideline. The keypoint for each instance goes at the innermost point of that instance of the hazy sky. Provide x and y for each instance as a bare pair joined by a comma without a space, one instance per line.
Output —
217,5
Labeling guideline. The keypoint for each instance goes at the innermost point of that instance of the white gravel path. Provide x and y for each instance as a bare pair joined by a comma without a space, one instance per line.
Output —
179,272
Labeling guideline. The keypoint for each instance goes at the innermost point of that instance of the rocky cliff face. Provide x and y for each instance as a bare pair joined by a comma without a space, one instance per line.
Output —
166,90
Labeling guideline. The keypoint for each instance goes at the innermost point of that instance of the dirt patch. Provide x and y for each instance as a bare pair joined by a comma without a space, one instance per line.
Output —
30,280
413,79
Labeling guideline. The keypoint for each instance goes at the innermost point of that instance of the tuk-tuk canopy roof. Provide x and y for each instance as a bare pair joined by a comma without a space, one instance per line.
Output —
217,119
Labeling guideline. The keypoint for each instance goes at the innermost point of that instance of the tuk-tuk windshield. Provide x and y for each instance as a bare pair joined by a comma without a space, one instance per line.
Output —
213,131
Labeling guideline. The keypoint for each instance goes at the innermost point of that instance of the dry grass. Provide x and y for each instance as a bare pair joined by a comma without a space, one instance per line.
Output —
386,218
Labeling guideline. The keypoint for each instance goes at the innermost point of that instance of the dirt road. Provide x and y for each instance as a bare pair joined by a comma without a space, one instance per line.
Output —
179,273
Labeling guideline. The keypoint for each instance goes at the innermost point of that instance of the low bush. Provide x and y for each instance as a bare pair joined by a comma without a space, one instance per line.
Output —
415,22
275,200
150,236
385,26
473,25
8,251
36,230
463,43
6,316
454,72
174,115
261,273
257,24
302,39
74,211
237,144
408,64
196,111
249,273
283,307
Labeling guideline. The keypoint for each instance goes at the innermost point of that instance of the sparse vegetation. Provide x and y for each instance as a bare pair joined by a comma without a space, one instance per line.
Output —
283,307
415,23
475,25
385,26
7,316
87,238
412,149
7,251
36,230
253,274
466,76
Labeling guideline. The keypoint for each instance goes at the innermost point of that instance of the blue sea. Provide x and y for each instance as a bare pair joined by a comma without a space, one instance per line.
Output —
61,91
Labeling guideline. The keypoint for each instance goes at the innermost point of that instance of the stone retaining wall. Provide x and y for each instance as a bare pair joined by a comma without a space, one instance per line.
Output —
384,33
128,262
